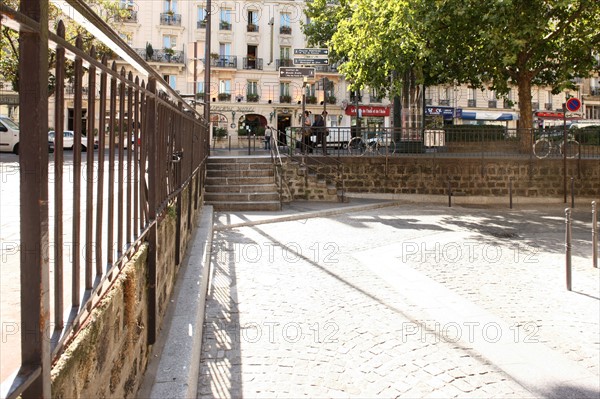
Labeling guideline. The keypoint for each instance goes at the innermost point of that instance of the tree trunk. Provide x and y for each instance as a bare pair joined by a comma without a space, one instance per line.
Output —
525,131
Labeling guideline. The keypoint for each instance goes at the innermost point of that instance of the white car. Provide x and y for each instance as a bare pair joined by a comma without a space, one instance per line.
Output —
9,135
69,140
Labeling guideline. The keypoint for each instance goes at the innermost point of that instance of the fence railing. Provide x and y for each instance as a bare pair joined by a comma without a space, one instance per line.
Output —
496,141
106,202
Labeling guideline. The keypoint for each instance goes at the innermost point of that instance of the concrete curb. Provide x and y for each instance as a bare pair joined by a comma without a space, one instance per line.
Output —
173,370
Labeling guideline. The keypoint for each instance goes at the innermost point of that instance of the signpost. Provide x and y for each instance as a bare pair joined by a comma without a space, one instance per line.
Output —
291,72
312,52
311,61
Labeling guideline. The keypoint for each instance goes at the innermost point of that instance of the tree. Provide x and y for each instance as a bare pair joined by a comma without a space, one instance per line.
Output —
109,10
484,43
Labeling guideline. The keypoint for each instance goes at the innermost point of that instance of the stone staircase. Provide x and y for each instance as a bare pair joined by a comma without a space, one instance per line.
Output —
241,184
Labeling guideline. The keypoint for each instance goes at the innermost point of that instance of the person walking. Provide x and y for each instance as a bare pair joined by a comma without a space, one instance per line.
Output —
306,133
319,129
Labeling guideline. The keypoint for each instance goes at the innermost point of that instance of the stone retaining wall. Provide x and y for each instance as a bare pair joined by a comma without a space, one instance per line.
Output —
467,176
109,355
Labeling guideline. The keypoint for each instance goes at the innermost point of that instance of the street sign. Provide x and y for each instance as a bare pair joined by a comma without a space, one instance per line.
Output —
573,104
312,52
311,61
290,72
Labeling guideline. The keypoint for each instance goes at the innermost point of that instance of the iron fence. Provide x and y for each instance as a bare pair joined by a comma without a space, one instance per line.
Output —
152,146
456,141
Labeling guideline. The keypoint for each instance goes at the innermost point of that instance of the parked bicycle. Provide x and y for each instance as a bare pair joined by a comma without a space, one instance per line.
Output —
553,143
380,144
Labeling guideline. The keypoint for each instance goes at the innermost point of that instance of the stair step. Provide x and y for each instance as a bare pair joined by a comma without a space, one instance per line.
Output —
244,181
240,173
245,206
239,197
241,188
239,166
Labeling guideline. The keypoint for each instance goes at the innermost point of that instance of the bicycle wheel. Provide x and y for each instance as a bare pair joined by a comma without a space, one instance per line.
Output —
541,148
572,148
356,146
387,147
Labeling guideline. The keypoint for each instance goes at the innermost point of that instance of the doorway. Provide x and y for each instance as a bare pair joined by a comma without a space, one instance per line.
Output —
284,124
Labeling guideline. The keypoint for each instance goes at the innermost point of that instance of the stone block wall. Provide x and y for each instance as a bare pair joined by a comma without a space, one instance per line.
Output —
303,183
109,355
467,176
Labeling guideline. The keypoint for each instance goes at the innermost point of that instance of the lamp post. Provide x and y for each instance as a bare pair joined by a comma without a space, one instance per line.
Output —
207,62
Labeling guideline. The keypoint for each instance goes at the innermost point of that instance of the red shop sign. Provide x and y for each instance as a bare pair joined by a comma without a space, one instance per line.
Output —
368,110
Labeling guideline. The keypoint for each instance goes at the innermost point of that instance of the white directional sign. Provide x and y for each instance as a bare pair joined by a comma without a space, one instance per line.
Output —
311,61
312,52
290,72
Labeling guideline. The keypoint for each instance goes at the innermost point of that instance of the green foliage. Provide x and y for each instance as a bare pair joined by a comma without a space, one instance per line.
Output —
491,44
108,10
220,132
589,135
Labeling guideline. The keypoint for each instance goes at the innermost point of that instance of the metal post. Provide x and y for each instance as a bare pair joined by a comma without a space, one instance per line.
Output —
594,234
565,152
449,194
572,192
510,191
568,247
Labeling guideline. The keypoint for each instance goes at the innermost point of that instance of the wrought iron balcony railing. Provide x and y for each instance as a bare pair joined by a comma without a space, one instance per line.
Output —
167,18
252,63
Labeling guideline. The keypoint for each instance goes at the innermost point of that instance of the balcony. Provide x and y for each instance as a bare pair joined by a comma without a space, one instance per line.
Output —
171,57
377,99
492,104
252,63
201,24
224,25
252,97
224,61
130,16
535,105
224,96
444,102
251,28
285,62
285,99
285,30
471,103
171,19
326,68
428,101
548,106
595,91
507,104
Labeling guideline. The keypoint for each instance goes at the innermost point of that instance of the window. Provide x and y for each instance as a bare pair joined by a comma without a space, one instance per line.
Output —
126,4
225,86
225,22
285,19
224,49
170,6
252,21
171,80
284,92
284,53
126,36
199,87
252,88
200,17
375,96
169,41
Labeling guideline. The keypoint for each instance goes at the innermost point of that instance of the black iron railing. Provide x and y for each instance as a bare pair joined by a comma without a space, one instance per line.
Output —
152,146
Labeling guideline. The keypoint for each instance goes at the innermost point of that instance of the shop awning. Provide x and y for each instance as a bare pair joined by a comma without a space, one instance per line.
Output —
490,115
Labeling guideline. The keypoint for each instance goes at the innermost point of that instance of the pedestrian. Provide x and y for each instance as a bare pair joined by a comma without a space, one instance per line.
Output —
319,128
306,133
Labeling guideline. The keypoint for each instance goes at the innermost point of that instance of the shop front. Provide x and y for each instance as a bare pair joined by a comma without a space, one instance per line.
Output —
507,119
373,117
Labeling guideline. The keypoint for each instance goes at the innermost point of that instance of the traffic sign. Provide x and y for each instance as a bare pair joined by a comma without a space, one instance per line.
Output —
573,104
311,61
290,72
314,52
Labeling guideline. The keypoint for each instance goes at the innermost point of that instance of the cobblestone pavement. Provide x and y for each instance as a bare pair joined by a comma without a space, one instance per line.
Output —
404,301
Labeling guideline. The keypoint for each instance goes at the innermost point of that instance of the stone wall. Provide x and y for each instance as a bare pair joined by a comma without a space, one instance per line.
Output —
467,176
302,183
109,355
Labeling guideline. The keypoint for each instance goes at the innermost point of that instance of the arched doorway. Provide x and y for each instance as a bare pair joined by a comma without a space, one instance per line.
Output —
252,124
219,125
284,124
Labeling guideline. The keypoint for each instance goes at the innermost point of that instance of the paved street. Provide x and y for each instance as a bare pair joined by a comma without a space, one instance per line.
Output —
405,301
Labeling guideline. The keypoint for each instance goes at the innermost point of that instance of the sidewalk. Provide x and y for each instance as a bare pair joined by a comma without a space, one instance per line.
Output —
377,298
401,301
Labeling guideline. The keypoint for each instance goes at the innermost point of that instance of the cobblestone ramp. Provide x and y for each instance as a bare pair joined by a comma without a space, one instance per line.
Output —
380,304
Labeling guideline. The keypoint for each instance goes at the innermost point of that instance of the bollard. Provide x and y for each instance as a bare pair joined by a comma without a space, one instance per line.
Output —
594,234
572,192
568,247
449,194
510,189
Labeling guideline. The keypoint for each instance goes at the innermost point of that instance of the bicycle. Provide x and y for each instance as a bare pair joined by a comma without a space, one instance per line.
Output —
381,144
553,144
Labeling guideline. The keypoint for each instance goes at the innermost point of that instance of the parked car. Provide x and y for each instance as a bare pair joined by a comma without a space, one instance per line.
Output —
9,136
69,140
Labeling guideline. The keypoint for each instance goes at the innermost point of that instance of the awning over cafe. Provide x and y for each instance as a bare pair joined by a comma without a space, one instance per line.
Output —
490,115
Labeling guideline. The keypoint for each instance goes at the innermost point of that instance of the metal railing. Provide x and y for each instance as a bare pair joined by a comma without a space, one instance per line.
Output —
461,141
115,196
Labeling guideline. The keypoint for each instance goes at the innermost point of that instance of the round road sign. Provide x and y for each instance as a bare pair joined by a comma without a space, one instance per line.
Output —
573,104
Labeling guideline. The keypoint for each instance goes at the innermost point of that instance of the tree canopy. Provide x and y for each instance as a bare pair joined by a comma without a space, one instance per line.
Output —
496,44
109,10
